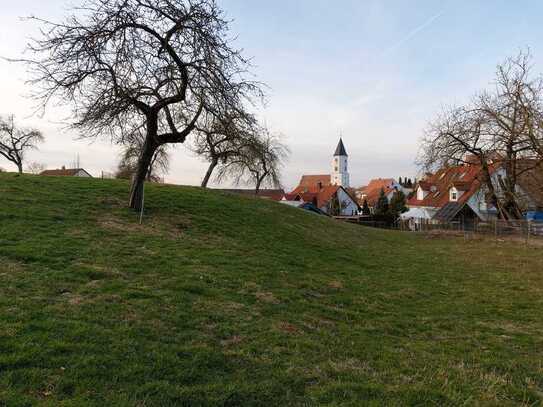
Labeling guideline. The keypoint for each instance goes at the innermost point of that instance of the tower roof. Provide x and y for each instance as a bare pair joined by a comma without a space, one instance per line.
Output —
340,150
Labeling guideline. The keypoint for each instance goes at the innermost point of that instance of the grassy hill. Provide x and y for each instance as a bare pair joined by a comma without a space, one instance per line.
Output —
225,300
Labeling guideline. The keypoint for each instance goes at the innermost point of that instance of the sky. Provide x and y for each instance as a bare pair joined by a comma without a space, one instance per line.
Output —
373,71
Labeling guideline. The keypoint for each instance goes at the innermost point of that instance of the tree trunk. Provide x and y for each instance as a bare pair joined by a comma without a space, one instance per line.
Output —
144,162
257,186
210,169
20,167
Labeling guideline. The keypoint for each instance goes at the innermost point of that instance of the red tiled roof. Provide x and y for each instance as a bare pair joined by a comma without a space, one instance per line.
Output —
320,197
312,181
373,190
465,178
380,183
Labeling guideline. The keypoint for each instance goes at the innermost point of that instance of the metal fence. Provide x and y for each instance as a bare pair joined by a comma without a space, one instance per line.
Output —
520,229
515,229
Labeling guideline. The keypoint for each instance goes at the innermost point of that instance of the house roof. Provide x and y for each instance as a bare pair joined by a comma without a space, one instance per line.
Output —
315,195
312,181
63,172
449,211
372,192
465,178
340,149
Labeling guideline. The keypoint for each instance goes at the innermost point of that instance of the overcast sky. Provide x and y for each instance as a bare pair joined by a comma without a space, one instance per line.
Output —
376,71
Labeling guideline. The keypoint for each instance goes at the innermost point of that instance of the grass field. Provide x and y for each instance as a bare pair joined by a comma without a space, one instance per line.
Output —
222,300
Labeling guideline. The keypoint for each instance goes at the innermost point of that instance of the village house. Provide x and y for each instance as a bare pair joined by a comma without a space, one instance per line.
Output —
372,191
457,194
67,172
328,192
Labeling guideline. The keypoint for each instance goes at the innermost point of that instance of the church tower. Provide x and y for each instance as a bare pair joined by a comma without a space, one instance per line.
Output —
340,171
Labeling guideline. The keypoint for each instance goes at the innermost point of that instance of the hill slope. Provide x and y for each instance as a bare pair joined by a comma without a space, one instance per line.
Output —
225,300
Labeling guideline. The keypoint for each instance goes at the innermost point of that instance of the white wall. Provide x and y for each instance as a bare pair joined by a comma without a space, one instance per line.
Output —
349,206
341,176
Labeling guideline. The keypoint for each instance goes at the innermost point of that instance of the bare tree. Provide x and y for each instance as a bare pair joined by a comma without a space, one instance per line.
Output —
128,163
35,168
15,141
258,163
499,128
223,138
124,63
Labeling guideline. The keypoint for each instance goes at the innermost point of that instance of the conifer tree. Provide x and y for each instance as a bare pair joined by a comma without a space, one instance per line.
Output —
381,208
366,208
397,205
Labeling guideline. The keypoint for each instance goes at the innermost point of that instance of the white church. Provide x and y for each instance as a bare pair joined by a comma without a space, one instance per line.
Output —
330,193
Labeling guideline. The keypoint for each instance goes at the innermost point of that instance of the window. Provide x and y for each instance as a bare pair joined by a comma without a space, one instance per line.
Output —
335,168
453,195
420,194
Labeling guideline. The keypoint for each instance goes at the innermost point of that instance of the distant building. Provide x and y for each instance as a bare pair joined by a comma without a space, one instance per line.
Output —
64,172
338,177
340,169
372,191
334,200
458,194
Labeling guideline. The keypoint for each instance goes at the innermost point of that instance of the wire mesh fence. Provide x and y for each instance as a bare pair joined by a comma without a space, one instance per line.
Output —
520,229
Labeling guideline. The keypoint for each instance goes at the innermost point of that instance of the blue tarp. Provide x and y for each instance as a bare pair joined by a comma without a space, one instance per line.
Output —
537,216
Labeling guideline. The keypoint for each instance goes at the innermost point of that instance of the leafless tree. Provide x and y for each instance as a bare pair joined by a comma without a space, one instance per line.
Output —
223,138
15,141
128,163
124,63
259,163
35,168
499,128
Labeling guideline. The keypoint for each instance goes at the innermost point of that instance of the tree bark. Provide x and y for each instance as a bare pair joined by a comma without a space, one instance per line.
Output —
210,169
144,162
20,167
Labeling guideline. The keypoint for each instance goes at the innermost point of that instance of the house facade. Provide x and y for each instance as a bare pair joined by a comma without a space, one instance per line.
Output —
334,200
459,194
64,172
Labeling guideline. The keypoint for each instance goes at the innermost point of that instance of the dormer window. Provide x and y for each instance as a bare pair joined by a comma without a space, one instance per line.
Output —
421,194
453,195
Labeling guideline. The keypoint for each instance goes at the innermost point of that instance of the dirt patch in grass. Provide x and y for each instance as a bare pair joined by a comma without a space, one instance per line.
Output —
338,285
234,340
171,227
288,328
267,297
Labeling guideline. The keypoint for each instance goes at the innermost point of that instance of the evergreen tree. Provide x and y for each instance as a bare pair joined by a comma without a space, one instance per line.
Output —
397,205
381,208
400,181
366,209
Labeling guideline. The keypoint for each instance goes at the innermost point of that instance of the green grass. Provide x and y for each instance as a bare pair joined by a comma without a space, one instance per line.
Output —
223,300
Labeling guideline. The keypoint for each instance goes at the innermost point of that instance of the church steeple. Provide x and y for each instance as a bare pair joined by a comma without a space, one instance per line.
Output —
340,170
340,150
